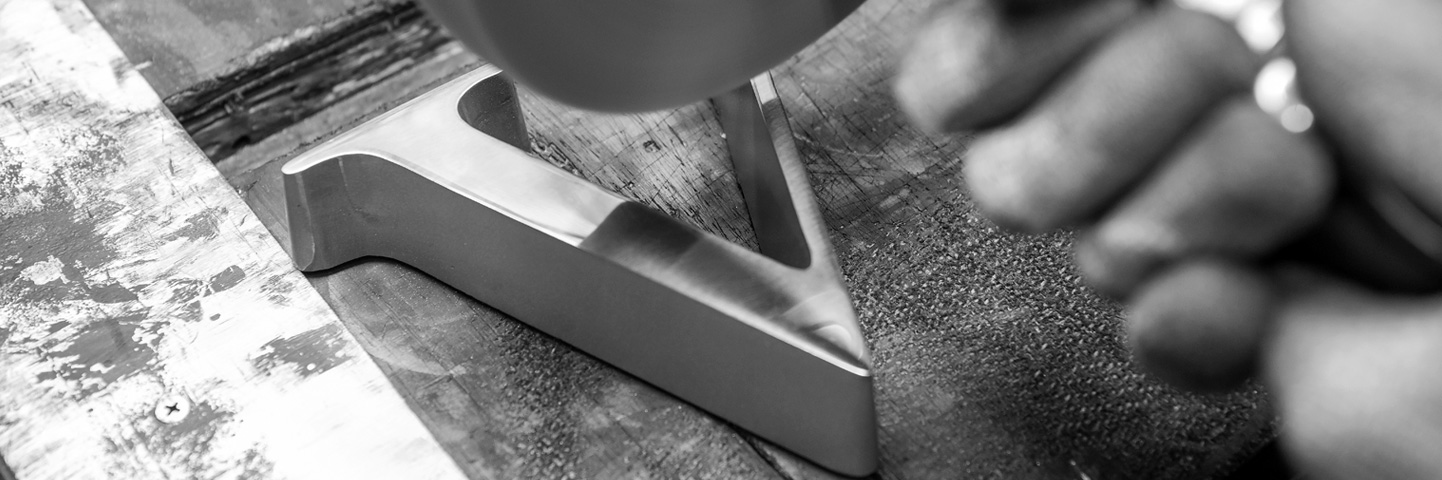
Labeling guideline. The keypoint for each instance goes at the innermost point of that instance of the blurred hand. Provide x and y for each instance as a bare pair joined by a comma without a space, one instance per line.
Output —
1134,123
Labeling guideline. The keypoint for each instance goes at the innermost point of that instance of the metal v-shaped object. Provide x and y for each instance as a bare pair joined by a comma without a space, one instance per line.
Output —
767,341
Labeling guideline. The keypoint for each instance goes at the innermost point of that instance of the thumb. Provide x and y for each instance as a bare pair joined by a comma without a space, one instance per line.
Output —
1354,376
1372,73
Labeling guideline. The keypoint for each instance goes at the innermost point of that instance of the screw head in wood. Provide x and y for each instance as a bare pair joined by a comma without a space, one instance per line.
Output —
172,409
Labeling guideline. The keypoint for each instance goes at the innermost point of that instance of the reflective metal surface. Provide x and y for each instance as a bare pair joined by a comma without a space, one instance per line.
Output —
766,341
634,55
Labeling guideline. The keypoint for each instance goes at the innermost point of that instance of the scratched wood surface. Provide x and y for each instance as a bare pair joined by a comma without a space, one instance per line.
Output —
179,44
237,71
149,325
993,359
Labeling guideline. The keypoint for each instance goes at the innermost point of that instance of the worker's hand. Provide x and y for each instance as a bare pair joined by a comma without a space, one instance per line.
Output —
1135,124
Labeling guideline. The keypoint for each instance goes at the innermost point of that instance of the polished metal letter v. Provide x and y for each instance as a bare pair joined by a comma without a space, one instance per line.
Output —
767,341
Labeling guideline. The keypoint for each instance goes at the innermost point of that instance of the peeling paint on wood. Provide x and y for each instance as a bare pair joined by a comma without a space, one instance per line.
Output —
149,326
309,353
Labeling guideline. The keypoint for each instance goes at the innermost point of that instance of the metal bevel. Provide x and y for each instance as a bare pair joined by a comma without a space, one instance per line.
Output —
766,341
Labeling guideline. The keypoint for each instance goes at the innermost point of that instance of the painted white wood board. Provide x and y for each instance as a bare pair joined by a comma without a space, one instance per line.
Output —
134,279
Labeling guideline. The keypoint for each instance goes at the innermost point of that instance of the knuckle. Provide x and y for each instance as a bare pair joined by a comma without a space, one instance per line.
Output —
1253,155
1203,45
1202,322
1120,254
1004,182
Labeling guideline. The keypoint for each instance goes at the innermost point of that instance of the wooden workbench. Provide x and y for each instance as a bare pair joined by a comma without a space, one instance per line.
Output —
149,327
992,359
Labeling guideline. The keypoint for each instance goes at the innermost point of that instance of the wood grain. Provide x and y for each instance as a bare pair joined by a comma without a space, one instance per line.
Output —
993,359
149,326
236,72
179,44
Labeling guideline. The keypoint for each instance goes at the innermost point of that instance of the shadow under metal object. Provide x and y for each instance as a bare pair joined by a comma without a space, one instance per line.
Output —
766,341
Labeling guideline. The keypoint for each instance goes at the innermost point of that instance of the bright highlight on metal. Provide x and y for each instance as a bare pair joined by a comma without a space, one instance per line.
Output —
767,341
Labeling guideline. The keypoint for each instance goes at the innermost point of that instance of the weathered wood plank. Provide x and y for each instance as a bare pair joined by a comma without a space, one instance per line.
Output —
182,43
994,361
149,326
236,72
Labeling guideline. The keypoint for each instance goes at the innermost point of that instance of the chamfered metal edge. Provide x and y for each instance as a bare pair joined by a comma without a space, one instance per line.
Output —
761,382
768,165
